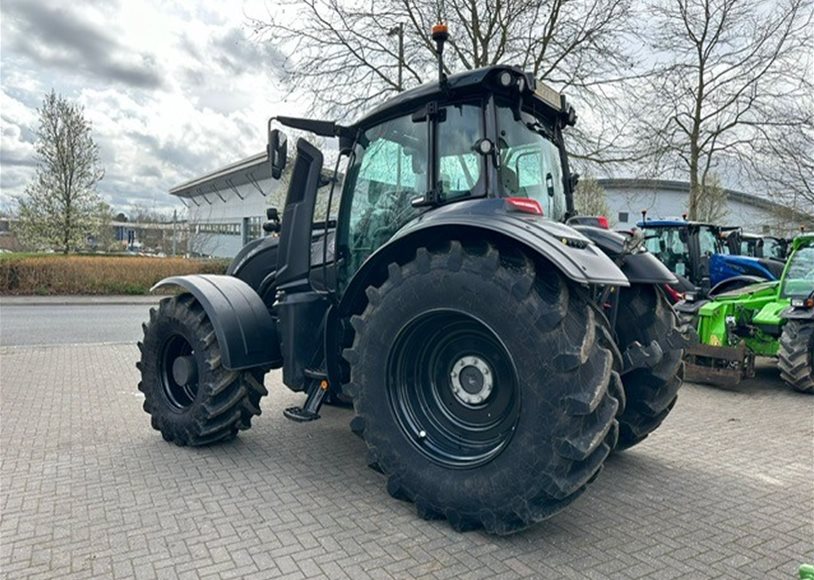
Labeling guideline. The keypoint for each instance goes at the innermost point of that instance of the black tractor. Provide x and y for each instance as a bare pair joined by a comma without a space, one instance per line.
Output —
494,356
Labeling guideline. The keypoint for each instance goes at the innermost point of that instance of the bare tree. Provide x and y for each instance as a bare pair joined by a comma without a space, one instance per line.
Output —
783,162
61,208
589,197
730,77
344,54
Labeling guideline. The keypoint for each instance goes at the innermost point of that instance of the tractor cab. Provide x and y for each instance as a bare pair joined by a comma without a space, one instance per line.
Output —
798,278
686,248
775,248
483,142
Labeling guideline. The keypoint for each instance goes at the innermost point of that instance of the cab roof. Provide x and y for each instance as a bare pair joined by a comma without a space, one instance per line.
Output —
475,82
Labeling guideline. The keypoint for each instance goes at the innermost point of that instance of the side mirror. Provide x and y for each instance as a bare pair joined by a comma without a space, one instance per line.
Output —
277,150
272,226
573,180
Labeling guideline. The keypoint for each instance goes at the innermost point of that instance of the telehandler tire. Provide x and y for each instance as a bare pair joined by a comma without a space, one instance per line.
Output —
192,399
796,355
481,386
646,315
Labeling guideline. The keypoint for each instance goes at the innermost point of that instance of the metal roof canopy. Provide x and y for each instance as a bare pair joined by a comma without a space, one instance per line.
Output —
250,170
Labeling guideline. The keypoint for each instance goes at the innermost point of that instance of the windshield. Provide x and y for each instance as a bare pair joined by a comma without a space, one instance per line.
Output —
530,164
670,246
799,279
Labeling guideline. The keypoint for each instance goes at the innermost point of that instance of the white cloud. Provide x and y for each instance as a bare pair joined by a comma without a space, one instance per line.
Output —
173,89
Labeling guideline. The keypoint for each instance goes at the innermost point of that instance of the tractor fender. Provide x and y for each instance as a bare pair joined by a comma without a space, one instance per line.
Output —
576,256
792,313
639,265
734,284
246,332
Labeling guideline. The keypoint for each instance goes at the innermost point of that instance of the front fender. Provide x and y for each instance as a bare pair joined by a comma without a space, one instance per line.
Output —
793,313
246,332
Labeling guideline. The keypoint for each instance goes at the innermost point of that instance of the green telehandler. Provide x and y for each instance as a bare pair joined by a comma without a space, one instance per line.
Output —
772,319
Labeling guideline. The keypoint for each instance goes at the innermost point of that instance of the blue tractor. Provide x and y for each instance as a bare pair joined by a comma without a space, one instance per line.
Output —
697,253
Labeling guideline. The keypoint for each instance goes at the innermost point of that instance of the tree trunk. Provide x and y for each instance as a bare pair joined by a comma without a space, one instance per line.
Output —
695,185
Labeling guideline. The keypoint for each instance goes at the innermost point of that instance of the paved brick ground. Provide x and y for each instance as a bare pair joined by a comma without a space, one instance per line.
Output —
724,488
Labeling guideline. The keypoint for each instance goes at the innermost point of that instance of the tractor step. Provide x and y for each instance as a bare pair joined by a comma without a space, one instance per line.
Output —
725,366
316,395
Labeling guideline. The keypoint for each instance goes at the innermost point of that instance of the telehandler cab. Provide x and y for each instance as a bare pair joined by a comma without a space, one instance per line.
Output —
494,355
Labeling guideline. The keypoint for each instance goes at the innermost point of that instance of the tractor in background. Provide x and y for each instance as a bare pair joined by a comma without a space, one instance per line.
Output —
772,319
698,254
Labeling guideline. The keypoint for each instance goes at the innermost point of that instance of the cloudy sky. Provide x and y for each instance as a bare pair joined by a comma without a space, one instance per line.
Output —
173,89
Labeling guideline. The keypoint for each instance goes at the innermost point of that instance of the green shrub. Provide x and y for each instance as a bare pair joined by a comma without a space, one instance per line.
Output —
50,274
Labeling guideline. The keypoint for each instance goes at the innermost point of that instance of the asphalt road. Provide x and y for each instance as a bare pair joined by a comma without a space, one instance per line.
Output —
58,324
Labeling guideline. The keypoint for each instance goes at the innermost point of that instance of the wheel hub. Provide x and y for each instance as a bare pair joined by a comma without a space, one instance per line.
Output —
184,370
471,380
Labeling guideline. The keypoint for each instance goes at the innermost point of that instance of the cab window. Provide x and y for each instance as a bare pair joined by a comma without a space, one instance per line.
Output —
459,167
388,171
707,242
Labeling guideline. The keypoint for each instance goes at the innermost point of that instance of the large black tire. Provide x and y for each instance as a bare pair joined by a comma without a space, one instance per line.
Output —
546,424
205,403
645,315
796,356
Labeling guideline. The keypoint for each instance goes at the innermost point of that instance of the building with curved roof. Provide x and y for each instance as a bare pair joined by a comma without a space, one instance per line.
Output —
628,197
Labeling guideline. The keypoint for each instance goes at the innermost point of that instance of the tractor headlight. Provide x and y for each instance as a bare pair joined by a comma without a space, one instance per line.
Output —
802,302
690,296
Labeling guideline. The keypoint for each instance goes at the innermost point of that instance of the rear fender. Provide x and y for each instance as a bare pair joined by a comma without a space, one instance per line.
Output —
639,265
574,255
246,332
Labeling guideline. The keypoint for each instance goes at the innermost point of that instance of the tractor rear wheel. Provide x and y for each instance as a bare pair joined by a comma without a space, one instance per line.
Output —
481,387
191,397
796,356
644,316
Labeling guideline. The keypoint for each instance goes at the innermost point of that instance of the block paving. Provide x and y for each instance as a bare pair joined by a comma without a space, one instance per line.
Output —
87,489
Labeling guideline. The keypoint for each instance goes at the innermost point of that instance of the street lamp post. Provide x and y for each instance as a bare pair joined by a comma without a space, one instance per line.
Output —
399,31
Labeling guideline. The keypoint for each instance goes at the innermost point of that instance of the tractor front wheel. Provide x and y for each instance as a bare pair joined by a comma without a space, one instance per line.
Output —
645,315
796,356
481,386
191,398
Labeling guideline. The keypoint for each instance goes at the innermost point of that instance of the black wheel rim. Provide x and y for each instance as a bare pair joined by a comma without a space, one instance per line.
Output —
180,394
448,424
